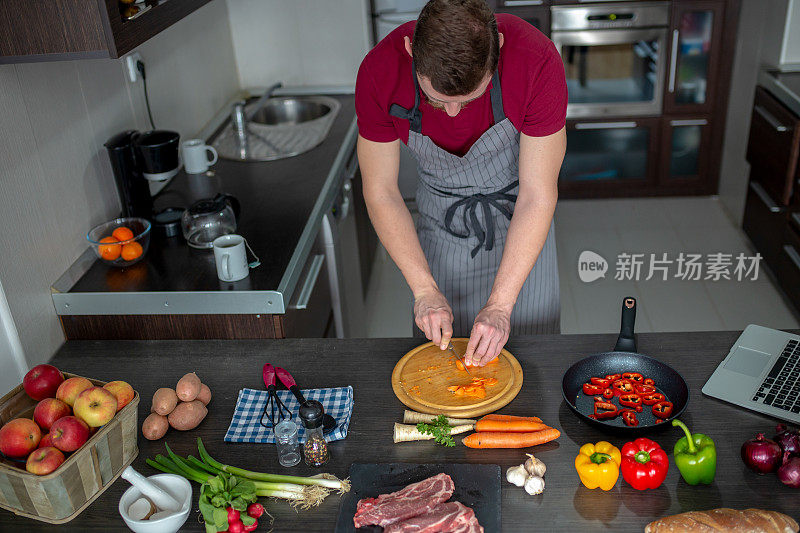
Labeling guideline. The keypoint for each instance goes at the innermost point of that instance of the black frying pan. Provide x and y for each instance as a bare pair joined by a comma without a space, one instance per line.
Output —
624,358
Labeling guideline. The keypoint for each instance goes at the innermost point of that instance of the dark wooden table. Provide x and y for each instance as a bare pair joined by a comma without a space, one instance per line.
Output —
566,505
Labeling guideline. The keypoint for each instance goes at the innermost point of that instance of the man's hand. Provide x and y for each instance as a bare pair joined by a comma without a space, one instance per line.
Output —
434,317
489,334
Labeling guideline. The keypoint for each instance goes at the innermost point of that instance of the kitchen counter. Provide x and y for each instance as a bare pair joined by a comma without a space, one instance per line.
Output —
566,505
282,204
785,86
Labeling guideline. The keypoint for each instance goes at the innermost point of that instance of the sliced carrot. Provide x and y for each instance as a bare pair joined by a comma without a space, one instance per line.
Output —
497,439
516,426
511,418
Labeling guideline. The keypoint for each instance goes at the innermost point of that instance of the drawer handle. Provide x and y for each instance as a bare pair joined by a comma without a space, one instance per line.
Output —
604,125
771,120
352,167
512,3
762,194
310,282
688,122
796,218
793,255
673,61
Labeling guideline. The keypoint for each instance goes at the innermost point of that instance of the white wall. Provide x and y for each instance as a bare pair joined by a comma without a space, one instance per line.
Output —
55,178
301,42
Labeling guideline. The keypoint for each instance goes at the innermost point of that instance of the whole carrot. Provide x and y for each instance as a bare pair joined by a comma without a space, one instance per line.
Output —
498,439
511,418
516,426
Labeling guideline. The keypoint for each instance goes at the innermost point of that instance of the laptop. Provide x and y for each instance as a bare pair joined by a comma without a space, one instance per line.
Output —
761,373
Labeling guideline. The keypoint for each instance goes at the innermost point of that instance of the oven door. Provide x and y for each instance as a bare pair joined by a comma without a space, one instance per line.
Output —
613,72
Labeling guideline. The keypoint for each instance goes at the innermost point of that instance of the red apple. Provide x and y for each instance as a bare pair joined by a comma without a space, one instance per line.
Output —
46,441
19,437
69,433
71,388
121,391
42,381
96,406
48,411
44,460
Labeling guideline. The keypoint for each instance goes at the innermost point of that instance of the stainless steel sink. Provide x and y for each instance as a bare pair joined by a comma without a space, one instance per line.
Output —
285,126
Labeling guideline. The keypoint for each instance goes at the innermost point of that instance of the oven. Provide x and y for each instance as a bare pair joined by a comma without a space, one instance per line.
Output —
614,57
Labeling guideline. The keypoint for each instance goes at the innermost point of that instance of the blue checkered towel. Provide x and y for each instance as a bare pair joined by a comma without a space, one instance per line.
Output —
245,426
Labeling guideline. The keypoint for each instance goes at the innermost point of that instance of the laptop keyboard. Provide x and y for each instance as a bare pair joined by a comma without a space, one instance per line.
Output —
781,387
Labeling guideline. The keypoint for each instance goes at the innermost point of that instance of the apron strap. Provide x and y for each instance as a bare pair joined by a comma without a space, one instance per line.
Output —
496,95
413,115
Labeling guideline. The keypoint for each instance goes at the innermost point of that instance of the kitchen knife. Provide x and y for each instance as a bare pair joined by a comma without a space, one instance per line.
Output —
460,358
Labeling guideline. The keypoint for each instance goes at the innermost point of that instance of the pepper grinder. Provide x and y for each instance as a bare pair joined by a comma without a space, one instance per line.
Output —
315,449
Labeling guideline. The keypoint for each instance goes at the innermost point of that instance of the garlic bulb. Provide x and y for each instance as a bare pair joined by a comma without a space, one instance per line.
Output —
534,485
517,475
534,466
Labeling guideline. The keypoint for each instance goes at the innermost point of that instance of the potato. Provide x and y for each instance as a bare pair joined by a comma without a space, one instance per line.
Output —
204,395
188,387
164,401
155,426
187,415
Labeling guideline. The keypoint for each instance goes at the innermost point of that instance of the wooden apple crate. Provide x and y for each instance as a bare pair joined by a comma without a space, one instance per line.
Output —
61,495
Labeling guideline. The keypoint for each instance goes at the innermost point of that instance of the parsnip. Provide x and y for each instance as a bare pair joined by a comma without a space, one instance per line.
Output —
413,417
408,433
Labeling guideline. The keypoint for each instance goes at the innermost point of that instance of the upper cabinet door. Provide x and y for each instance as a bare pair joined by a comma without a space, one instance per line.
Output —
694,56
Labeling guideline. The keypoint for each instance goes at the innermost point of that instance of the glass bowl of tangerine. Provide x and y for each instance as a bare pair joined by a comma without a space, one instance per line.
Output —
120,242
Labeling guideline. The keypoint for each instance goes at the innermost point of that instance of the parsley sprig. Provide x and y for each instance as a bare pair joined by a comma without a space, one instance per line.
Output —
440,430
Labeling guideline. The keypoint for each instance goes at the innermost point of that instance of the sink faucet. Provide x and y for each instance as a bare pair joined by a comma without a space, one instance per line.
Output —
239,120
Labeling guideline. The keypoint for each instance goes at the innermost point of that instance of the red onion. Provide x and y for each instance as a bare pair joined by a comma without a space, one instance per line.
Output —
761,455
789,473
788,440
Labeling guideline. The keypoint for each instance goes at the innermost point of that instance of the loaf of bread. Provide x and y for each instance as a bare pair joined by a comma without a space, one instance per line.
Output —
725,520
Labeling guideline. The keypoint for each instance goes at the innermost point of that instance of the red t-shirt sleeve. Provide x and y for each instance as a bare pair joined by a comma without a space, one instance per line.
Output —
546,110
374,121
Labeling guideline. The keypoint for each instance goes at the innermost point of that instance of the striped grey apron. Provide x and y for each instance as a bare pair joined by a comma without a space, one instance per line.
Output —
465,205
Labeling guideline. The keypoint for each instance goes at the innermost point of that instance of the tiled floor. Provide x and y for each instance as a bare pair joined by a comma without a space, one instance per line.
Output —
633,226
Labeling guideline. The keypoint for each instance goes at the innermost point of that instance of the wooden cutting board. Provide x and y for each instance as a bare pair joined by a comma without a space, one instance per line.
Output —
421,377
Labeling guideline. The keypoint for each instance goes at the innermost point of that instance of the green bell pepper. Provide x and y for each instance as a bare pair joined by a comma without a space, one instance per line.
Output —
695,456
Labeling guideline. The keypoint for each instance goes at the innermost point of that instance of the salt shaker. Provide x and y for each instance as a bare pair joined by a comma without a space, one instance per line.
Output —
286,442
315,449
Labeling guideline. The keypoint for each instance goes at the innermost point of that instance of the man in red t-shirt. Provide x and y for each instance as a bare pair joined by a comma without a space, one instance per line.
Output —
481,103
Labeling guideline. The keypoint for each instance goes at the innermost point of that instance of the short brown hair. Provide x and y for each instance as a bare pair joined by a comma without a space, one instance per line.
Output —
456,44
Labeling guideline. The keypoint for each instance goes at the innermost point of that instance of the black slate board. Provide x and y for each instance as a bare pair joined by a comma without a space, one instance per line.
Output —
476,486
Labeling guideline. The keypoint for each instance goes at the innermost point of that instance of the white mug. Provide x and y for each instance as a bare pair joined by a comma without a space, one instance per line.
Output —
195,160
230,257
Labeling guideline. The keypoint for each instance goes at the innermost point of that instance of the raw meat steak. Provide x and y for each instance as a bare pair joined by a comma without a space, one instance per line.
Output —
415,499
450,517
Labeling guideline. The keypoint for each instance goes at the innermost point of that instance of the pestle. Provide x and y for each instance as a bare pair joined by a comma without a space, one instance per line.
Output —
160,498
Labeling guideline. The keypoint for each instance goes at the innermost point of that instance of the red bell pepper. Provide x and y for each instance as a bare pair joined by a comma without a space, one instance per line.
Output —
591,389
623,386
644,464
629,417
662,409
652,398
604,410
644,389
633,376
605,383
631,400
608,393
649,381
613,377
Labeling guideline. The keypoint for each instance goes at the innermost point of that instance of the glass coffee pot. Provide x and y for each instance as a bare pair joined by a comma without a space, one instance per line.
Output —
208,219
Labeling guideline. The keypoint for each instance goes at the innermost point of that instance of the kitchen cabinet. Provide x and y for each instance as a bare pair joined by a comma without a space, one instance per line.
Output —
685,143
695,54
367,238
81,29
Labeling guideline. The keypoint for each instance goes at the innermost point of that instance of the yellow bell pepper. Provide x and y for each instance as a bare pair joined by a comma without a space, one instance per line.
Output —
598,465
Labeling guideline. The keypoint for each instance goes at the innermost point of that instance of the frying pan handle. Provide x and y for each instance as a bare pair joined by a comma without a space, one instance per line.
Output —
269,375
626,342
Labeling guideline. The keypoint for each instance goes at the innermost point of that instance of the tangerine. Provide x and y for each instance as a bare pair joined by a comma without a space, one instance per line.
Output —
109,252
131,251
122,234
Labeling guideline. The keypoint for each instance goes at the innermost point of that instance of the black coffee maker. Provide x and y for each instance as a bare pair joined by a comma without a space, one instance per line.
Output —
137,158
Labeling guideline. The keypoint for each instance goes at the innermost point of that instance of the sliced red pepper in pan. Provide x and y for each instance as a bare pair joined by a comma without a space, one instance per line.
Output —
631,400
605,410
652,398
608,393
591,390
633,376
662,409
613,377
600,381
629,417
623,386
649,381
644,389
